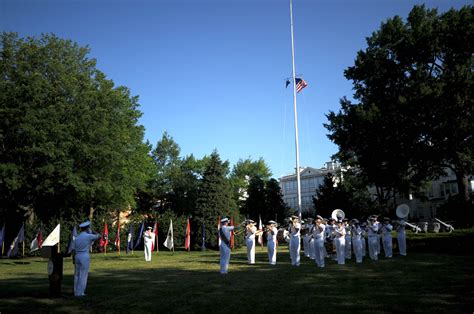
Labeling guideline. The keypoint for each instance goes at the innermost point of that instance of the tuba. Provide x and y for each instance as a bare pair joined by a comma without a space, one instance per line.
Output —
337,214
402,210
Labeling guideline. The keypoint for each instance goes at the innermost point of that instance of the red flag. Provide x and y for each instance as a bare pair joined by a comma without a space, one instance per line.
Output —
155,231
117,237
187,243
104,240
232,235
40,238
218,229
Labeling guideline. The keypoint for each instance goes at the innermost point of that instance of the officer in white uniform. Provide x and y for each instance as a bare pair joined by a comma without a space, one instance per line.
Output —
387,237
401,237
357,239
148,240
373,238
250,231
224,248
318,242
340,232
295,241
82,244
272,241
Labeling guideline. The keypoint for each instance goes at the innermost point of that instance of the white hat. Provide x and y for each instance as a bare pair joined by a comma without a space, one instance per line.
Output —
224,220
271,222
85,224
149,228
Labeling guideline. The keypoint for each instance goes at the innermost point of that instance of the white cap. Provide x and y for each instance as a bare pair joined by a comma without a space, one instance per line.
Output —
224,220
85,224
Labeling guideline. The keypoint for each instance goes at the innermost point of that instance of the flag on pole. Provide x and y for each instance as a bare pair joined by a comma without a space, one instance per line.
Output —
232,235
130,239
300,84
104,240
219,229
187,243
260,234
2,238
54,237
37,242
72,238
155,231
117,238
140,235
13,251
169,243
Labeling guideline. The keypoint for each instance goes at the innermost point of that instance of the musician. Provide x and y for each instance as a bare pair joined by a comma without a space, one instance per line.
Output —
387,237
272,241
330,239
363,227
318,241
401,237
224,248
250,231
295,239
348,250
357,239
148,241
373,237
308,239
340,236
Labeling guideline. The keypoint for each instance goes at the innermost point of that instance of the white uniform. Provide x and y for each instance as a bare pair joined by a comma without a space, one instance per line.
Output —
318,244
364,241
374,241
224,248
357,239
250,243
341,245
312,253
402,240
82,244
306,249
348,251
387,239
271,245
295,244
148,240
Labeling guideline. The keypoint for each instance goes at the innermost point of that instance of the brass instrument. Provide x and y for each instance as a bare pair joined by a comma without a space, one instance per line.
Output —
447,226
338,214
402,212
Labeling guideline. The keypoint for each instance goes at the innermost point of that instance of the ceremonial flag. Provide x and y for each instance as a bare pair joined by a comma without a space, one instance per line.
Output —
169,242
54,237
2,238
260,234
117,237
13,251
140,235
219,230
104,240
300,84
130,239
72,238
232,235
37,242
155,231
187,243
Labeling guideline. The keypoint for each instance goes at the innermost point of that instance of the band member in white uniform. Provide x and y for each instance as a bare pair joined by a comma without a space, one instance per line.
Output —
224,248
363,238
82,244
340,232
272,241
148,240
308,239
373,237
401,237
318,242
387,237
330,237
357,240
295,229
348,251
250,240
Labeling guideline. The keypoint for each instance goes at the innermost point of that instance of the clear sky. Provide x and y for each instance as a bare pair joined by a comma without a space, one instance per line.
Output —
212,73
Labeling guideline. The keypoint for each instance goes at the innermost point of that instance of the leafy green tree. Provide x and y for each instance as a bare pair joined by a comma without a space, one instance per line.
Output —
414,85
255,205
241,174
70,140
276,208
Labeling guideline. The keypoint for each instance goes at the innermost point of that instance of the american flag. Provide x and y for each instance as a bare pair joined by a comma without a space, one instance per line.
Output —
300,84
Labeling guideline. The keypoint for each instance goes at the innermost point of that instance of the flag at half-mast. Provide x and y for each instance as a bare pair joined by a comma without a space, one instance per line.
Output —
37,242
300,84
187,243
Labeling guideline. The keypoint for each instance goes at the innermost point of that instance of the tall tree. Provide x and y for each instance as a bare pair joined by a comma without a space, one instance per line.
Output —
414,85
276,208
243,171
255,205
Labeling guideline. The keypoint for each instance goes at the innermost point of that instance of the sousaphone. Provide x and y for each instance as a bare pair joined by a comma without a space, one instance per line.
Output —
338,214
402,211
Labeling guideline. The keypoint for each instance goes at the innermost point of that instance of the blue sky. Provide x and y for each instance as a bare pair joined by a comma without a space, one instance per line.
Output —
212,73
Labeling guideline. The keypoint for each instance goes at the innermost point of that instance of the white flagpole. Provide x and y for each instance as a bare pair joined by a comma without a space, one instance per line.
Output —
298,180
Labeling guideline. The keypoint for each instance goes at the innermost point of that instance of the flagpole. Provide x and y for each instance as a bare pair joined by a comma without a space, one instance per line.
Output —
298,179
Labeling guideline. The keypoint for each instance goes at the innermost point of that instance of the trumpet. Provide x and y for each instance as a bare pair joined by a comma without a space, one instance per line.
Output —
415,229
448,226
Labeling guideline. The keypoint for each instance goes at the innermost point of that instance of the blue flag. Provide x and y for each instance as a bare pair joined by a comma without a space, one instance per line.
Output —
140,235
13,251
130,239
2,239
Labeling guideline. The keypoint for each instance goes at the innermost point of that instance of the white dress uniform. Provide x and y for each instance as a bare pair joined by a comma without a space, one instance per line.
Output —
306,249
271,244
224,248
148,240
295,239
387,239
341,245
374,241
364,241
348,250
401,237
82,244
250,243
357,239
318,244
312,252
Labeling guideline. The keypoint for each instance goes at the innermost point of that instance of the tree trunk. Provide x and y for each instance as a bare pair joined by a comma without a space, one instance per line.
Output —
91,212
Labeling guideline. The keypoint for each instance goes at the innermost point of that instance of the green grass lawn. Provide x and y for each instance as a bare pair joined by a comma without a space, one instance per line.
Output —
190,282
